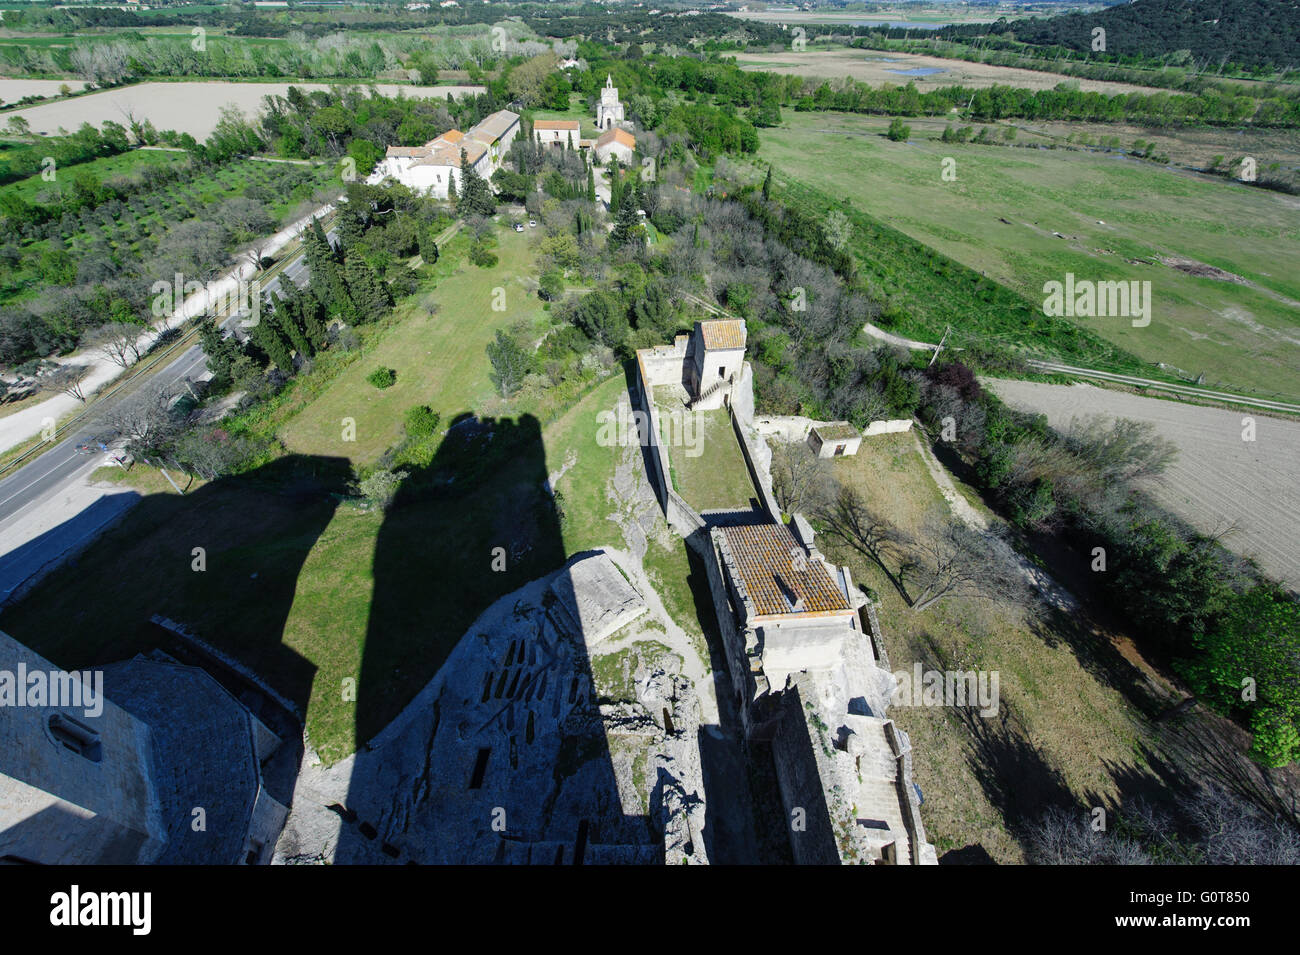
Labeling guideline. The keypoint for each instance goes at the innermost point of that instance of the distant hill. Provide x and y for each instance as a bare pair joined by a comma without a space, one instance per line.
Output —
1256,34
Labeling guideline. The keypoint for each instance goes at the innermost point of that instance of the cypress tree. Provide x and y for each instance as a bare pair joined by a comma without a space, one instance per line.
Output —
767,184
269,339
591,184
624,224
369,294
286,319
476,195
220,351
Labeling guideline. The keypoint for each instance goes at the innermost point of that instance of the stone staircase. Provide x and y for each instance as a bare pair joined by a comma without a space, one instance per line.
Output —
710,391
877,799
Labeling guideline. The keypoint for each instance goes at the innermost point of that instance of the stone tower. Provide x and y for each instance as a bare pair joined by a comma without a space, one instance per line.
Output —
144,761
609,111
76,785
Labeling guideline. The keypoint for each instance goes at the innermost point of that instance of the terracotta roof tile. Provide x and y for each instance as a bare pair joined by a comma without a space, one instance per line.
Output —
777,574
723,334
616,135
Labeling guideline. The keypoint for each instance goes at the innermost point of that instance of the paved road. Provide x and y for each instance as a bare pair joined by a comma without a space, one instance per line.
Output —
62,465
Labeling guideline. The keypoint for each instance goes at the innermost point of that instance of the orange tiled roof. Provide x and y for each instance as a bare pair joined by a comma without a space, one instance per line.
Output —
723,334
616,135
571,124
777,574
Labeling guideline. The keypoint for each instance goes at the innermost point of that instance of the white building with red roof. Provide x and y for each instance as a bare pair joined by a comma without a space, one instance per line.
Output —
432,168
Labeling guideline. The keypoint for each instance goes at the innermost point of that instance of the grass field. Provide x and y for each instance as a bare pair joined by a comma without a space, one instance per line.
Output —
715,478
1065,733
1100,217
440,359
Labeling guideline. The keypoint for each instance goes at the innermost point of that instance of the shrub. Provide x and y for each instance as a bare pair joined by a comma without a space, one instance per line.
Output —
380,487
382,377
421,421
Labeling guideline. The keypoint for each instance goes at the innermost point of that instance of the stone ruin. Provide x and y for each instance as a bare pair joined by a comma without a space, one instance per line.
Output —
519,751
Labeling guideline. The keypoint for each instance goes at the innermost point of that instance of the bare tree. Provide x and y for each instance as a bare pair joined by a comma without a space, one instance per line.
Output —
256,253
800,480
68,379
118,342
144,420
1123,449
1207,827
849,517
954,561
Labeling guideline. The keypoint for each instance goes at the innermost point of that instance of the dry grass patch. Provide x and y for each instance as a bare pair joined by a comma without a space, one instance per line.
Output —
1065,731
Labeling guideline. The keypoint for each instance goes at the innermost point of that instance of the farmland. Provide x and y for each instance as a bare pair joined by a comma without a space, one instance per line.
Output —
1024,217
186,107
1224,477
927,72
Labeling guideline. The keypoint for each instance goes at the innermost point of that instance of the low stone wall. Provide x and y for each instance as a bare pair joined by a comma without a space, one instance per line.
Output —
920,850
795,428
895,426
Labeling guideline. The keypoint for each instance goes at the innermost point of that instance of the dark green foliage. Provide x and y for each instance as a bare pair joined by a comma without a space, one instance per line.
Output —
220,350
1255,645
899,131
268,337
371,298
627,226
475,194
382,378
428,248
421,421
511,362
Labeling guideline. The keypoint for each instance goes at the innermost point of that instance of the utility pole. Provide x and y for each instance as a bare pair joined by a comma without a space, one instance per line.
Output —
939,347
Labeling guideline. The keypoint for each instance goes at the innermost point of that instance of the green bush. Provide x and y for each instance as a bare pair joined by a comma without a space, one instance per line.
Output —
421,421
382,377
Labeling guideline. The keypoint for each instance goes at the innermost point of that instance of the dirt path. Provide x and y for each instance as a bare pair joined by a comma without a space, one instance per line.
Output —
1051,592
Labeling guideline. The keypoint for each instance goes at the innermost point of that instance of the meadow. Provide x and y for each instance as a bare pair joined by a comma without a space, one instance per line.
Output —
1023,217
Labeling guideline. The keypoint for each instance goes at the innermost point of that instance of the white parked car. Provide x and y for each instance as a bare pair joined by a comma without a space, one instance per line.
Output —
532,223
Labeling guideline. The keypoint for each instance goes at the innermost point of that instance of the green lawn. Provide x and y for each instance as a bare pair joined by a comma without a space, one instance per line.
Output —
1117,216
572,446
440,359
709,472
